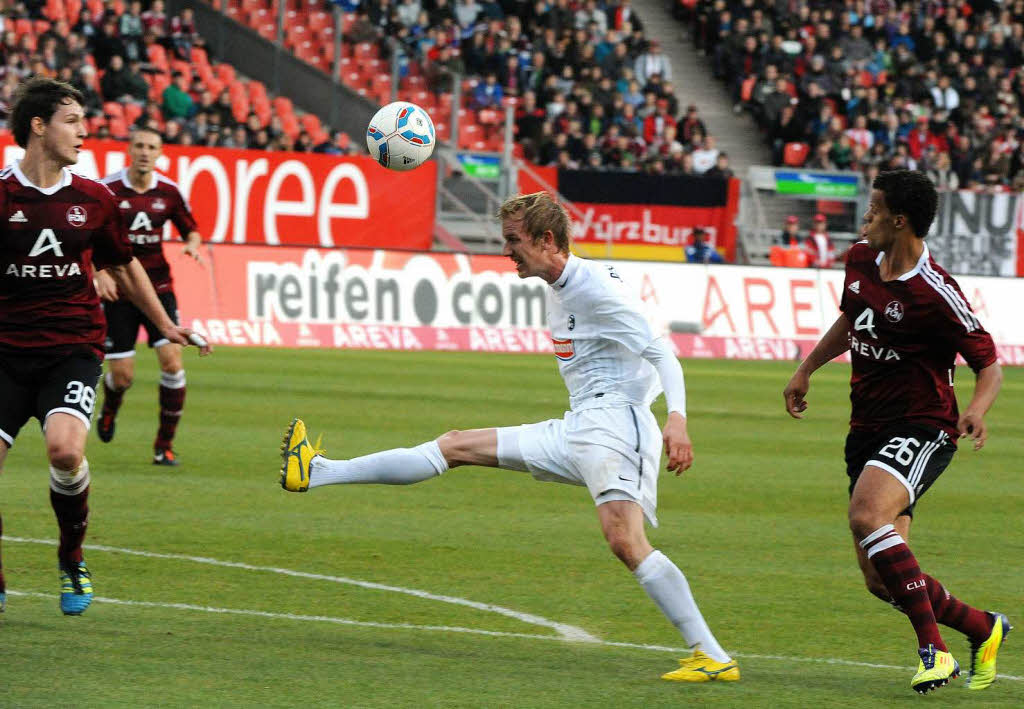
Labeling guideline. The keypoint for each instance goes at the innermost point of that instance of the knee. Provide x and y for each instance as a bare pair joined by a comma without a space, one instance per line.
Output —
64,456
122,380
453,448
864,520
626,546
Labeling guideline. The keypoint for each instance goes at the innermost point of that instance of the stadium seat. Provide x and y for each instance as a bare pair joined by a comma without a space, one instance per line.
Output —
795,154
318,21
282,105
22,26
488,116
158,57
184,68
158,83
469,133
118,128
113,109
310,122
132,111
96,8
40,26
267,31
225,72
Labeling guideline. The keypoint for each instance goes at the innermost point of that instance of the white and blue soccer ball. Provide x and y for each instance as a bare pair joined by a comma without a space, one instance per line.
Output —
400,136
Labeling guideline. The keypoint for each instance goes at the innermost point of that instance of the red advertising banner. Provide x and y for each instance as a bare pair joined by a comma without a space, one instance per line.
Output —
645,229
278,198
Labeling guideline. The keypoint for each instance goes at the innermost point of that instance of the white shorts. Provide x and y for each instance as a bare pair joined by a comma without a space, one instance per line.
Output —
615,452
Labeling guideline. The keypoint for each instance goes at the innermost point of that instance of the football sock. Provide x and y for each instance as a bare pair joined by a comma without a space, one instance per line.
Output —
901,575
111,397
951,611
69,495
172,401
667,587
398,466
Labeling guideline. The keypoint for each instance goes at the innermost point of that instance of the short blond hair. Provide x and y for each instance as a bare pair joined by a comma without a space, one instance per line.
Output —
540,212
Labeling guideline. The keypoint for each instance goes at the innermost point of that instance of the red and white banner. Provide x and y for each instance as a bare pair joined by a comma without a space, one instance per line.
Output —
376,299
254,197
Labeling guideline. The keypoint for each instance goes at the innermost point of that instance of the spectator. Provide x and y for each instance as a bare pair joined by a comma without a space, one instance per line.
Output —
652,62
177,102
706,157
721,168
488,93
466,12
700,251
691,123
106,44
155,19
790,236
819,246
120,83
131,29
184,34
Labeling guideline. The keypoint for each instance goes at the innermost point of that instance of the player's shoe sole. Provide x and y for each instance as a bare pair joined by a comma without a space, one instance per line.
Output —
105,427
701,668
983,655
75,588
935,670
165,457
296,455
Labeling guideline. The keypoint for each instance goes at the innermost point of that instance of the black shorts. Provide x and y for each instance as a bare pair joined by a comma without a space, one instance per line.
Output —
915,454
123,321
39,384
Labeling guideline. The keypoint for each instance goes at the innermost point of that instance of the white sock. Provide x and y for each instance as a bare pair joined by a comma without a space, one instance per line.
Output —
667,587
398,466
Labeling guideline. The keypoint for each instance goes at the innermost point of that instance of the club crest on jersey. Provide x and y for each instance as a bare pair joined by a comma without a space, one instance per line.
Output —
159,205
124,204
76,215
572,322
564,349
894,311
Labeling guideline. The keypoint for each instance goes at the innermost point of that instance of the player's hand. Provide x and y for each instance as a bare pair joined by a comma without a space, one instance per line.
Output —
972,425
193,251
795,392
184,336
677,443
105,286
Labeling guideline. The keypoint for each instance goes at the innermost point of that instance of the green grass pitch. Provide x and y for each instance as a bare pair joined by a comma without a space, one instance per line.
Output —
758,525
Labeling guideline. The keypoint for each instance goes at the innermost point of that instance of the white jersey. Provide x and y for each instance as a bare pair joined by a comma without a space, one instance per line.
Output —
599,330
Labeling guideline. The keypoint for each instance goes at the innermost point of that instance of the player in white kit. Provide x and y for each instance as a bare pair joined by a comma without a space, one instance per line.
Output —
612,362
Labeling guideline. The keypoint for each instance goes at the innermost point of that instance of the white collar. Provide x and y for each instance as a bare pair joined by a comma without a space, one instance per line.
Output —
571,265
912,272
128,183
64,181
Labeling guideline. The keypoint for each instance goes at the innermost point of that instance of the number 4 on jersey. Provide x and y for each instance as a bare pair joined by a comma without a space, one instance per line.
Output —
866,321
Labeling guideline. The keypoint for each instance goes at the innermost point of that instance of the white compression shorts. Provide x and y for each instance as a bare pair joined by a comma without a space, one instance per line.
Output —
615,452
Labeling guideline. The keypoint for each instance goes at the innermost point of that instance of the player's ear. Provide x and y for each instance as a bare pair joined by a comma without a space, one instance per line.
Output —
38,125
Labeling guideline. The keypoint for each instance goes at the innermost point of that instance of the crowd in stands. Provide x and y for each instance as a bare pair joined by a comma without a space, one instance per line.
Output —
868,85
136,66
591,90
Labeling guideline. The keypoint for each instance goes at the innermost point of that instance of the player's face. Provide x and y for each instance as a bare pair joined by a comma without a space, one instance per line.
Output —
529,257
63,135
878,228
144,150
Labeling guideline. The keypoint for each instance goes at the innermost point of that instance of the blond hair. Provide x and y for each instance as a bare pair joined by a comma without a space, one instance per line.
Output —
540,212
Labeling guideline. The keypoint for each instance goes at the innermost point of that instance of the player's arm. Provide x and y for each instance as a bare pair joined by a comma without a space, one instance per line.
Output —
987,383
192,243
834,343
134,283
675,436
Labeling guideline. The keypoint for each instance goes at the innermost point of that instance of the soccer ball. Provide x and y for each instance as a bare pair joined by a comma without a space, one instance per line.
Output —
400,136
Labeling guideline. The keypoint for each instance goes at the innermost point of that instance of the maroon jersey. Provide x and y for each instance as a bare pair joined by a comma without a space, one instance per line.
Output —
50,242
145,214
904,338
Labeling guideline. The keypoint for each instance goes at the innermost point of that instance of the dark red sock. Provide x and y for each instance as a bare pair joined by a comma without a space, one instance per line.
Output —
111,398
72,517
901,575
172,401
950,610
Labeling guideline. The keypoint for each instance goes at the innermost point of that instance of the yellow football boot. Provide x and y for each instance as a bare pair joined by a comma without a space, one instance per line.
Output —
701,668
983,655
296,454
934,670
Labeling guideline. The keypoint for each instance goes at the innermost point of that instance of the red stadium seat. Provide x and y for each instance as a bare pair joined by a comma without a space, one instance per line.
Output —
469,133
795,154
257,90
158,57
267,31
40,26
96,8
488,116
441,131
118,128
310,122
318,20
282,105
113,109
132,111
22,26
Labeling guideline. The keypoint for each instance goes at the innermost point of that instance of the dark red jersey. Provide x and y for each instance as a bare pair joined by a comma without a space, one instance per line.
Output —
904,338
50,242
145,214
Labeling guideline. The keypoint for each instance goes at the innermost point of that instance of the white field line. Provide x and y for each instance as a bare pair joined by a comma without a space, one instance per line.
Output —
569,632
457,629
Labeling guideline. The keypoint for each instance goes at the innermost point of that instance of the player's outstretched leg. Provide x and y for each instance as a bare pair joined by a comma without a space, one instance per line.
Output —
69,495
304,466
172,404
